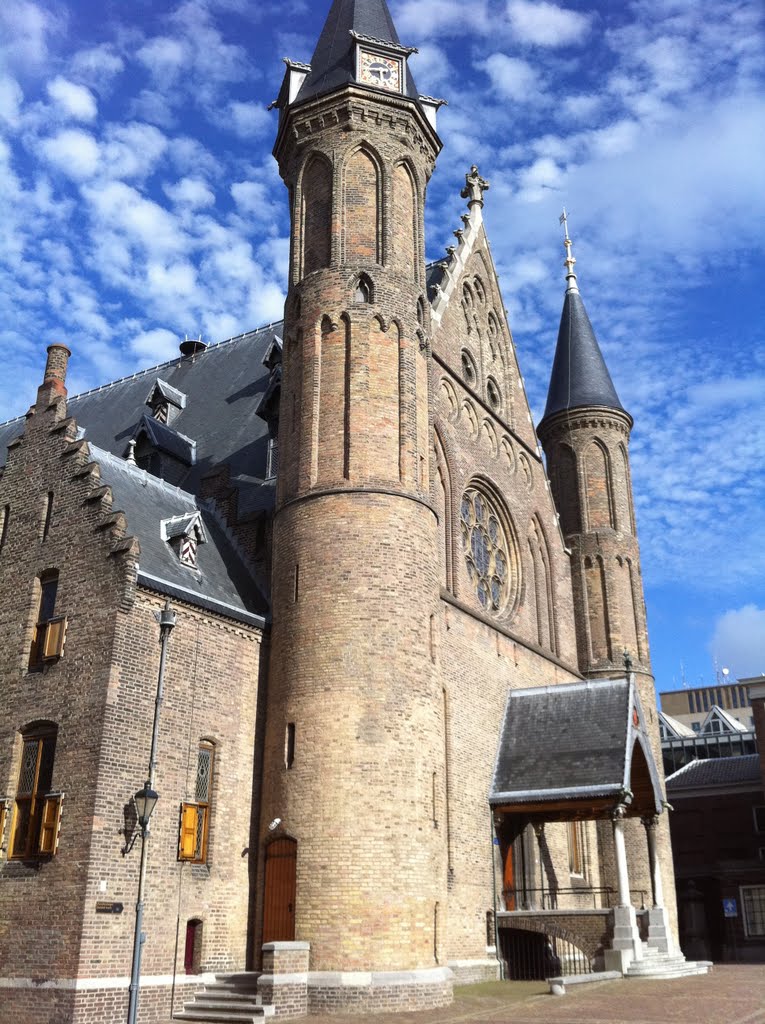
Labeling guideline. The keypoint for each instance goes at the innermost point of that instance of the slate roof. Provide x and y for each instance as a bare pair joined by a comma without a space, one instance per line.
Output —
716,771
579,377
222,582
333,63
223,387
565,741
168,440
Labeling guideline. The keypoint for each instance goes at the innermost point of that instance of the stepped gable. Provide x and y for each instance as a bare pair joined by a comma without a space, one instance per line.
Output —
222,582
223,386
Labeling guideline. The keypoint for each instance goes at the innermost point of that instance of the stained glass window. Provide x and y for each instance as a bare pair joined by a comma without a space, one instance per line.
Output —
486,550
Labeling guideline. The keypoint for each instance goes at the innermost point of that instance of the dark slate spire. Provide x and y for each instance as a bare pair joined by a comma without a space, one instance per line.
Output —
579,376
334,64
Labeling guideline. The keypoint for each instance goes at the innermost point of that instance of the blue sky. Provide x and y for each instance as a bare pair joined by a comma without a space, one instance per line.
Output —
139,202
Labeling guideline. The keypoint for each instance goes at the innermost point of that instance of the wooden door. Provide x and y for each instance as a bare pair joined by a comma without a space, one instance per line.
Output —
508,881
279,891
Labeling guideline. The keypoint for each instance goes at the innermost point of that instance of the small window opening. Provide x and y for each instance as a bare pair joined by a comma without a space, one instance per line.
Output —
435,932
296,592
48,515
363,292
468,368
50,629
272,458
289,745
434,800
492,390
6,518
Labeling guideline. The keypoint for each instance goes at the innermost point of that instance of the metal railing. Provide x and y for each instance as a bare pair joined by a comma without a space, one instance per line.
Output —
531,956
571,898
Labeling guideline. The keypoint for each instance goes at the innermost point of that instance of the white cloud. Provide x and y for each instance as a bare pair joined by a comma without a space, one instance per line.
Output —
75,100
132,150
249,196
97,66
249,120
738,641
513,78
74,152
163,56
11,98
190,192
24,31
156,346
416,20
546,24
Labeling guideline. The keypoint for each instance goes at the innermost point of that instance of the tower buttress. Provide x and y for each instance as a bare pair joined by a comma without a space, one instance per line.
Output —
353,677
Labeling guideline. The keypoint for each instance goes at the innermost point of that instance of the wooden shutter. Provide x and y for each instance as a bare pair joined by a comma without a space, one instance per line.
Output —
49,824
187,839
55,637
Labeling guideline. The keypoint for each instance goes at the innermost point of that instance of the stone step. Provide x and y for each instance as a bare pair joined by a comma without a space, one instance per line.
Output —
206,1016
674,969
239,979
213,1002
232,995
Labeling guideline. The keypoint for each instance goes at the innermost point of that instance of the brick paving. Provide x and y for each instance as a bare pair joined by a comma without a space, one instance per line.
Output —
732,994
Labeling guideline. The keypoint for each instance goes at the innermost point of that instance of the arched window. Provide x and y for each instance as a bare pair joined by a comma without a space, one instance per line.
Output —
37,810
494,395
491,554
195,815
469,371
363,291
317,214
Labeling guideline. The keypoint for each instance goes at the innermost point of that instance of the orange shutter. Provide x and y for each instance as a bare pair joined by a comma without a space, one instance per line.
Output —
49,824
187,840
55,636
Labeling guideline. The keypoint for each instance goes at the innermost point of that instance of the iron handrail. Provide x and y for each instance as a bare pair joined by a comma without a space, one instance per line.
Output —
525,899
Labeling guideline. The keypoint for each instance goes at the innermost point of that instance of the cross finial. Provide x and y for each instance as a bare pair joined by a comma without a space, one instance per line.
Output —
568,263
475,186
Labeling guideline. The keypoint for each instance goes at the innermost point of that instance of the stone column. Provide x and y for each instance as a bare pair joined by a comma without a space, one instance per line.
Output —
622,873
626,947
650,824
659,934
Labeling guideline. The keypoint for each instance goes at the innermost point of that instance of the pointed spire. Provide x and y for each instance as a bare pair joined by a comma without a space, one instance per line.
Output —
334,61
580,377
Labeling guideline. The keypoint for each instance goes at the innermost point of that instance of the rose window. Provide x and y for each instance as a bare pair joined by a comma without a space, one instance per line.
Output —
486,550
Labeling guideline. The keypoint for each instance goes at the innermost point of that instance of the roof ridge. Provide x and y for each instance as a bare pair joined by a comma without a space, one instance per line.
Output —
152,369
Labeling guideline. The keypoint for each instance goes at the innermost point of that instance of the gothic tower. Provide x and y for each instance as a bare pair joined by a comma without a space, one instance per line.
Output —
353,761
585,432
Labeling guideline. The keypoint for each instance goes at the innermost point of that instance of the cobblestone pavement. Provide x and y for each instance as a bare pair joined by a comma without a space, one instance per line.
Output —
731,994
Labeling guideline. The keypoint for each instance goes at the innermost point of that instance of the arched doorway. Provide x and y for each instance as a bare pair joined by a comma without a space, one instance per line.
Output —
279,891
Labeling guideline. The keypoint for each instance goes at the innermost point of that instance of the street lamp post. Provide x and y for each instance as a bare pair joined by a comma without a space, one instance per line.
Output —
145,802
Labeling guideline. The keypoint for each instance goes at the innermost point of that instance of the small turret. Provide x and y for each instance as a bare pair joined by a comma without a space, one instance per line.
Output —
585,433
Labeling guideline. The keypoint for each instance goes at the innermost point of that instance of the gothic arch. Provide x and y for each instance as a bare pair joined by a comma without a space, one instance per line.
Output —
598,486
541,585
405,219
564,479
315,190
362,192
598,619
627,487
445,504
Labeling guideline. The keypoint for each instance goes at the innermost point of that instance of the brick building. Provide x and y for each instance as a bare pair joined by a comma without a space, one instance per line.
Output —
350,514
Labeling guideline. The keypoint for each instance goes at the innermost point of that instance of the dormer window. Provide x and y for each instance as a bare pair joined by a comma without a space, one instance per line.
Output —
184,534
165,401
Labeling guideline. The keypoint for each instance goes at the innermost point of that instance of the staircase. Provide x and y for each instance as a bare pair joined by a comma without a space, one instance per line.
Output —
656,964
230,999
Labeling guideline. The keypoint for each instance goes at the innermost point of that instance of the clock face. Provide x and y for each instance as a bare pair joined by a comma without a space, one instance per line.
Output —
380,71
